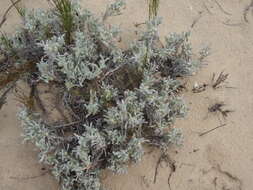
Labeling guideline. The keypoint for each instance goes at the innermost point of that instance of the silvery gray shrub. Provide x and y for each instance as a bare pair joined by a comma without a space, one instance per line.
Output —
127,98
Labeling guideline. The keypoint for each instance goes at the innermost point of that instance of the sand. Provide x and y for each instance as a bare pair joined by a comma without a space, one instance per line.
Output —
219,160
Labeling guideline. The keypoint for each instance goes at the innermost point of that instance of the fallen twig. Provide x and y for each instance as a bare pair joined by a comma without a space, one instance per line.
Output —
230,176
206,132
165,157
218,107
221,8
138,24
4,17
221,79
172,167
199,88
4,95
207,9
246,11
109,73
231,24
29,177
196,19
34,94
157,166
67,125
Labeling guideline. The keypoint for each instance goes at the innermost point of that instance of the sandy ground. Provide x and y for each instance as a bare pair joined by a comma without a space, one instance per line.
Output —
220,160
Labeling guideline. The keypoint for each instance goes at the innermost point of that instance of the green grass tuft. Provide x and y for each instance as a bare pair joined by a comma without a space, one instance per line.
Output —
65,10
153,8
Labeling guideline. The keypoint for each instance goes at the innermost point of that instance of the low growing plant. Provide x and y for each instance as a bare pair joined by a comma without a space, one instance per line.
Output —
116,100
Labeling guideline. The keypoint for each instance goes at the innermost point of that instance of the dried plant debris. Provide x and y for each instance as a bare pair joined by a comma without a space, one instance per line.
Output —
206,8
221,8
209,131
19,9
195,21
171,163
229,23
246,11
4,17
3,96
112,101
219,108
216,83
153,8
197,88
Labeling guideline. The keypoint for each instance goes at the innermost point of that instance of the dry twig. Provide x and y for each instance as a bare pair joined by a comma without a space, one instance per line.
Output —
227,23
4,17
221,8
196,19
206,132
218,107
165,157
207,9
67,125
157,166
221,79
4,95
246,11
172,167
30,177
139,24
199,88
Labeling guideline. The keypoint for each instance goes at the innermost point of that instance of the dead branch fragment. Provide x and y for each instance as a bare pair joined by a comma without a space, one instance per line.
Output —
157,166
246,11
230,176
199,88
30,177
139,24
165,157
228,23
172,168
35,98
4,17
67,125
206,132
221,79
195,21
221,8
207,9
218,107
4,95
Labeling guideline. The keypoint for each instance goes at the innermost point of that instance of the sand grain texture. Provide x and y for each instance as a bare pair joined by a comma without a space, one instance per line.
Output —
220,160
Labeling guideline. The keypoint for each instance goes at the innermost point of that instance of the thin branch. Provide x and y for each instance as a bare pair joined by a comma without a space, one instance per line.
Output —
139,24
206,132
109,73
172,168
246,11
221,79
157,166
165,157
4,17
195,21
29,177
207,9
20,10
221,8
38,100
67,125
232,24
4,95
